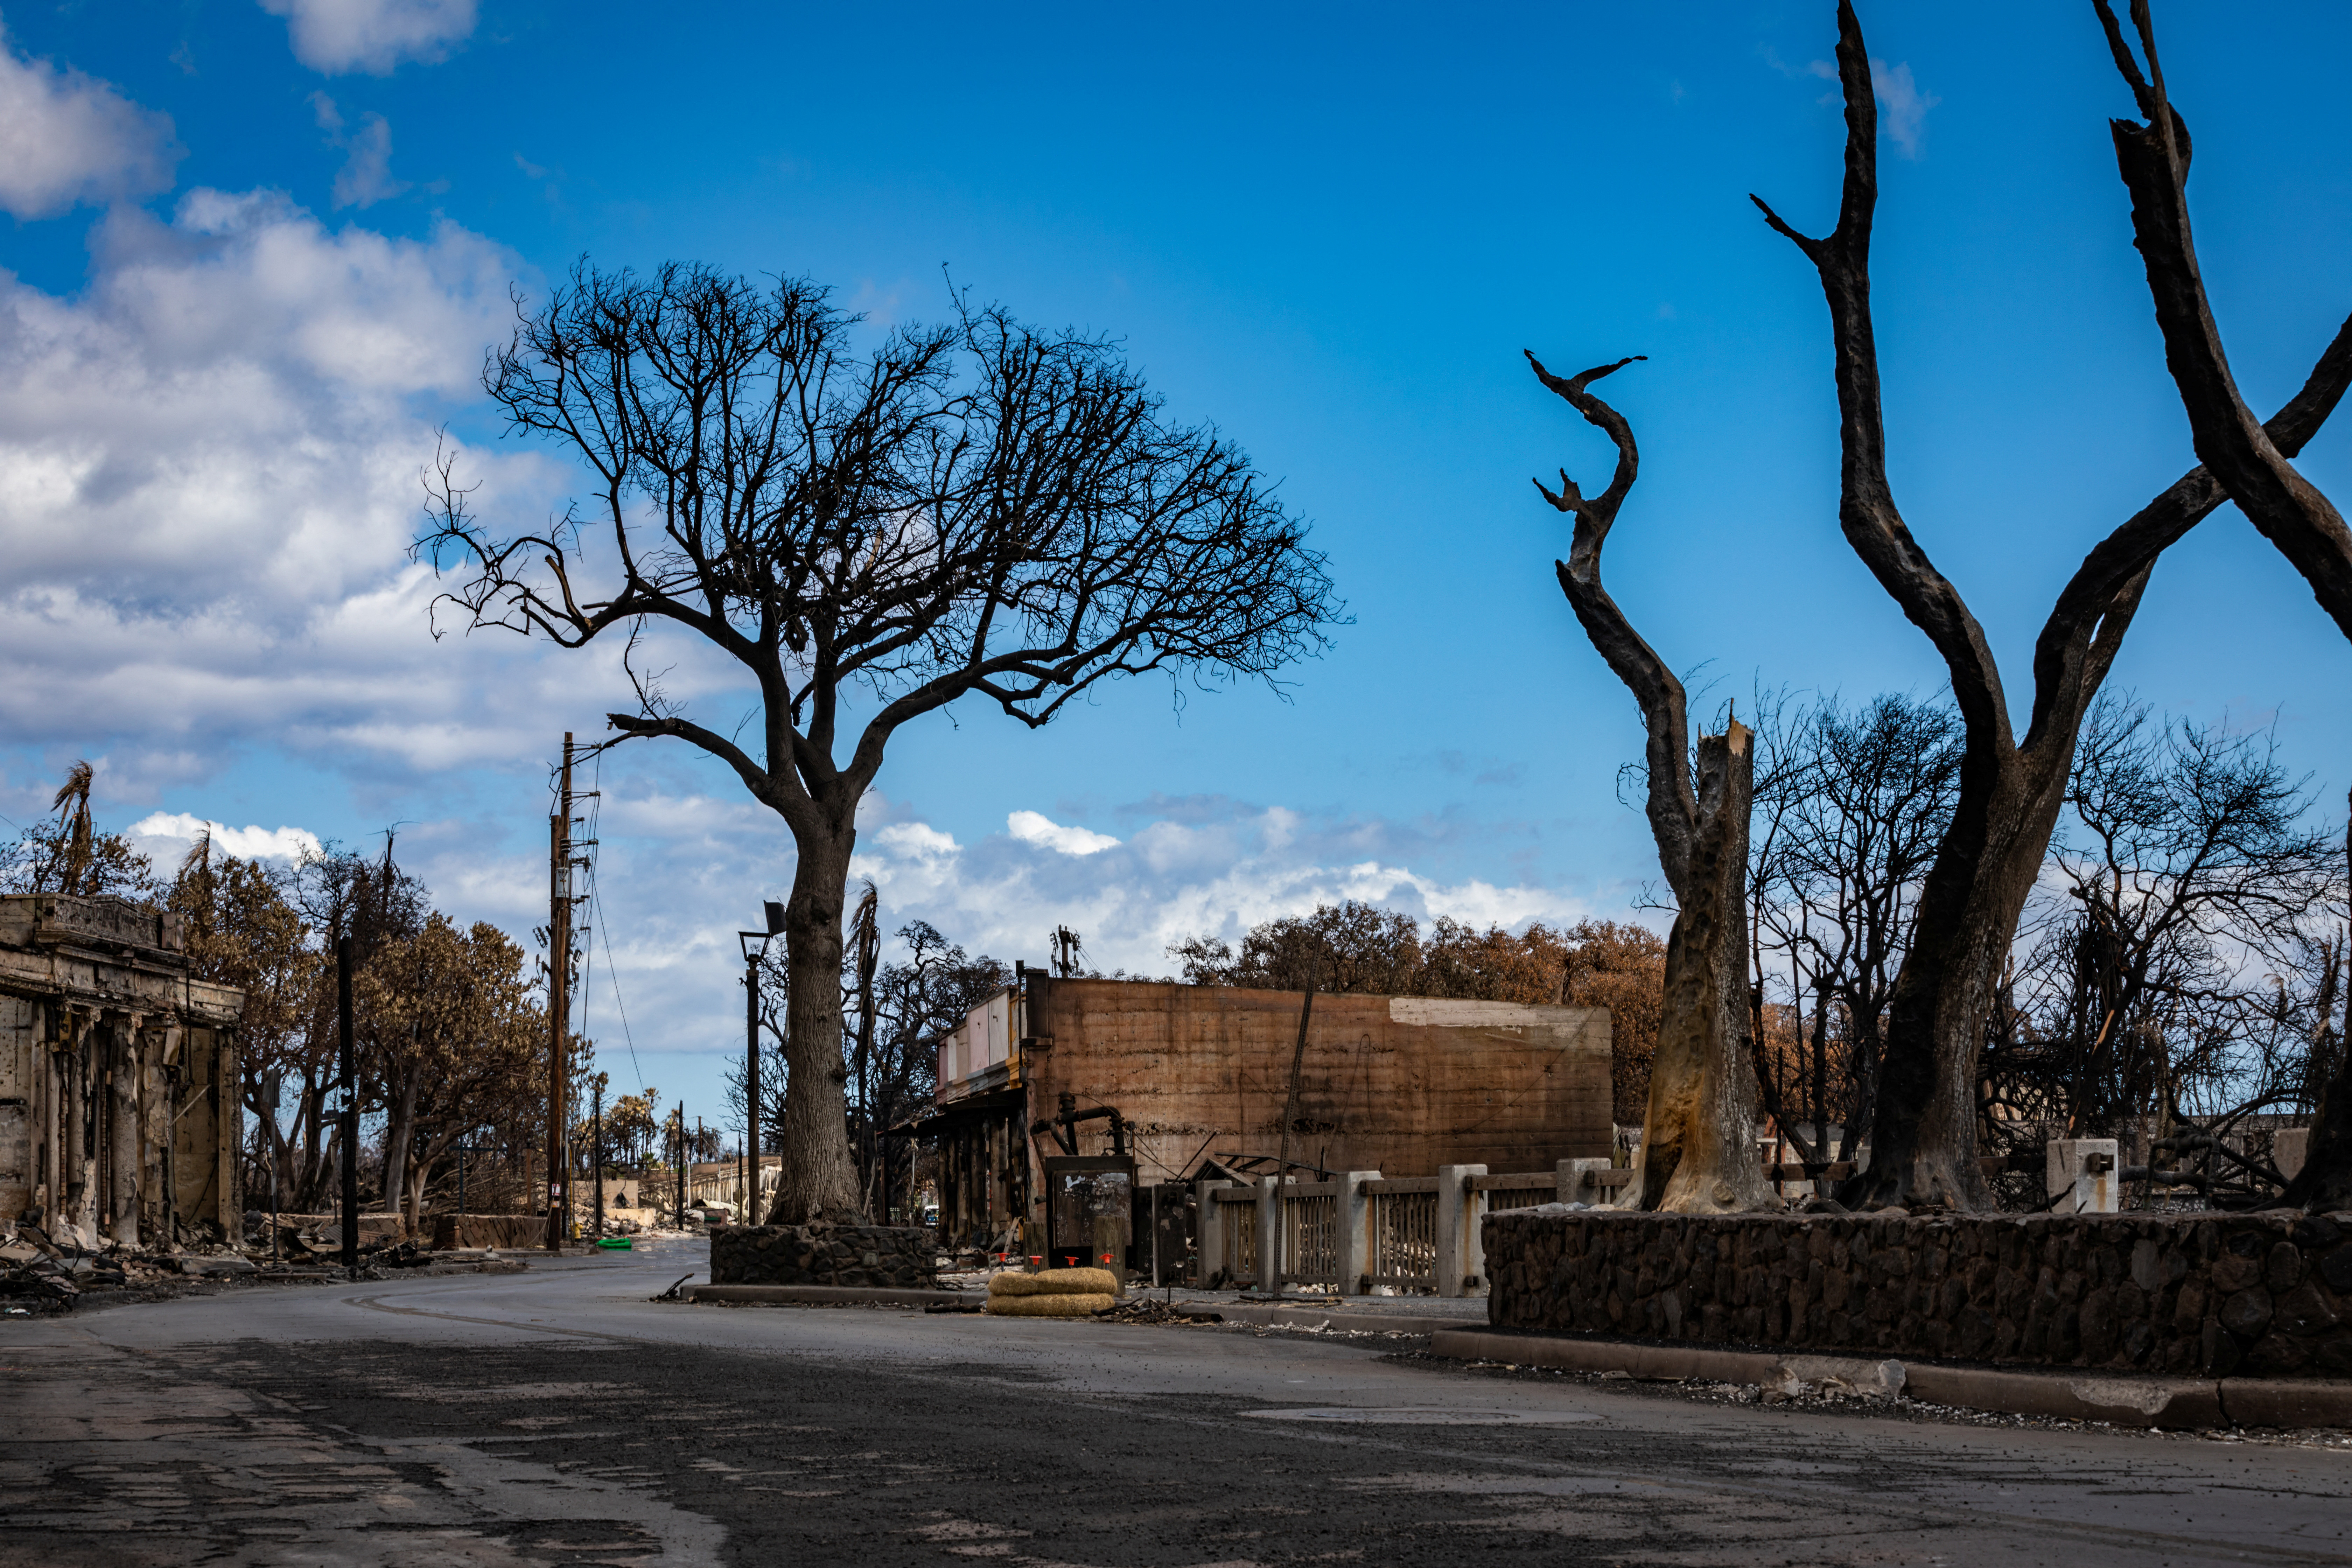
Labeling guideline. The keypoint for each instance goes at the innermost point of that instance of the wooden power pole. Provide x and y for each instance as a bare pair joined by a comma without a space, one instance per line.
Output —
559,999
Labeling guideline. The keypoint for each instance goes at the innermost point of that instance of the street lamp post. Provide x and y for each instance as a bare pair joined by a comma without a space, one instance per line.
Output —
752,960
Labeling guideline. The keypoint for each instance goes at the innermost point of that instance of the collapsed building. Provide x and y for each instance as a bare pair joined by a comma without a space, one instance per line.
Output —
119,1105
1093,1095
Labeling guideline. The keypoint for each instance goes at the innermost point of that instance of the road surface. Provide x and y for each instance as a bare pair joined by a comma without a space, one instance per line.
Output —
560,1417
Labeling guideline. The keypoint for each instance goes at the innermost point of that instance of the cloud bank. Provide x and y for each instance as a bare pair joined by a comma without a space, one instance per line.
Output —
165,836
214,456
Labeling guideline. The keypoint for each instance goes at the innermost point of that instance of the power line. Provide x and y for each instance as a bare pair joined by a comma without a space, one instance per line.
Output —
596,898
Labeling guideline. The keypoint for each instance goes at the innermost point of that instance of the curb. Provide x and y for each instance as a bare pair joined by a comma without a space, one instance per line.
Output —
2167,1404
825,1296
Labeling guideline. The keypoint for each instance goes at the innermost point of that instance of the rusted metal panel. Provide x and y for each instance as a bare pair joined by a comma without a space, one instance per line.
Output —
1403,1084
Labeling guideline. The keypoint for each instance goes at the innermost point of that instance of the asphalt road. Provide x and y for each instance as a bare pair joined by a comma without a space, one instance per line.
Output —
559,1416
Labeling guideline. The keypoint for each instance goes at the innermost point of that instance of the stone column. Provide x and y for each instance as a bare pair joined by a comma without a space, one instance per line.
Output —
1354,1215
123,1140
1460,1256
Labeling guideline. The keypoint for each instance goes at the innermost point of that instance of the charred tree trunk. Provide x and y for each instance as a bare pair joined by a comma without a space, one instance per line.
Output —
2250,460
1698,1135
398,1136
1923,1120
818,1181
1698,1143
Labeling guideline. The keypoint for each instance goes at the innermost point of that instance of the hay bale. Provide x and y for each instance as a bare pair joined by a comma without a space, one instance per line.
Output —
1060,1305
1056,1282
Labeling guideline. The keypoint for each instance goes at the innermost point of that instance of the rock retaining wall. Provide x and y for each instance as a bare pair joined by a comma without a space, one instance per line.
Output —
2234,1294
870,1254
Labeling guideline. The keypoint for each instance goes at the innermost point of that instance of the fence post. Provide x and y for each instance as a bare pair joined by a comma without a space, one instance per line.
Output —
1578,1182
1460,1256
1212,1221
1352,1219
1270,1194
2085,1170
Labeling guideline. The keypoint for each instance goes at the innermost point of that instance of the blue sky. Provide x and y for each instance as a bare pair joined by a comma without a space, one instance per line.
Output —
255,253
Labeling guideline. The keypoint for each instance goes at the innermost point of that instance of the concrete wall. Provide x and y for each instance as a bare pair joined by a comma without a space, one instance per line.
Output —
2257,1294
1402,1084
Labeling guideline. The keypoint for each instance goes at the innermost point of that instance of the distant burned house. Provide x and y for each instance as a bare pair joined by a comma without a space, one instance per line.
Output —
119,1083
1174,1081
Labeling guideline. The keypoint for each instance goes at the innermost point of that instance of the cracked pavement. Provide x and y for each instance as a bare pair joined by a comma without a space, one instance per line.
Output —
560,1417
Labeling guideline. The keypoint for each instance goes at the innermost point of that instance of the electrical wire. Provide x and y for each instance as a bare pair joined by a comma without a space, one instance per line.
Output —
595,896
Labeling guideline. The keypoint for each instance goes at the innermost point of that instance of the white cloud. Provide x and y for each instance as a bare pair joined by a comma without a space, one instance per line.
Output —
65,139
372,36
214,456
179,829
1902,107
1902,103
365,177
1032,828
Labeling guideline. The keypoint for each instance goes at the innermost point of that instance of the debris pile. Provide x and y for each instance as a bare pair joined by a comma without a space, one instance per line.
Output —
1145,1310
37,1275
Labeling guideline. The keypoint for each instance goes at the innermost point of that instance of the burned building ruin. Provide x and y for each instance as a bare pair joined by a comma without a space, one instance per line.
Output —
118,1080
1056,1081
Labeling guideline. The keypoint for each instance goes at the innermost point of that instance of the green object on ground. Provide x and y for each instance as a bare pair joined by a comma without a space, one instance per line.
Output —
615,1244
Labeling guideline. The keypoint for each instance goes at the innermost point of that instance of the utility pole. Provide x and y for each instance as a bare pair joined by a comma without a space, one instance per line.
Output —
597,1154
750,1083
559,997
348,1071
751,959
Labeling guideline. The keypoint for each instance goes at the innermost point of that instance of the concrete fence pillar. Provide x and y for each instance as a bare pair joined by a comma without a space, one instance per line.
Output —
1461,1256
1269,1233
1354,1223
1579,1182
1210,1220
2084,1171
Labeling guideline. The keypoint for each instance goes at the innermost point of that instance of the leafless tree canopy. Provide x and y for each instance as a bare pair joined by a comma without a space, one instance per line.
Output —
971,507
2181,955
1851,804
975,508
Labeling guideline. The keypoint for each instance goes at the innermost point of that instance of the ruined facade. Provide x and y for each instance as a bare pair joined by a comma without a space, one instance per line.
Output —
1197,1073
119,1081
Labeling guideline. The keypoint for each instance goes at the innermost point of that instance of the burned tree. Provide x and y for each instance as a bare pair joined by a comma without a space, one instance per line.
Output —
2252,462
976,509
1698,1135
1923,1132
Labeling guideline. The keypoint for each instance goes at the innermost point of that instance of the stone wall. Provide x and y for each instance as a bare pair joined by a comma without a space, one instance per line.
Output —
2219,1295
867,1254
